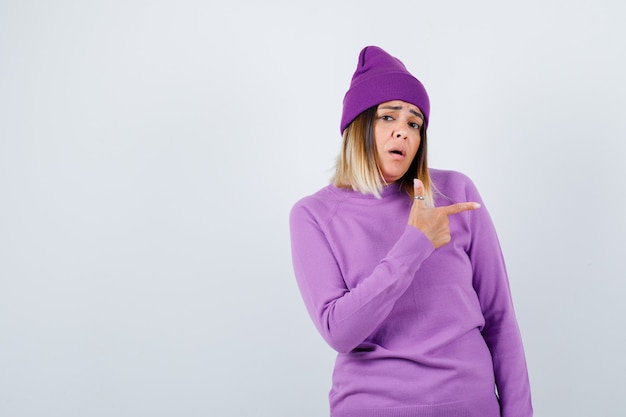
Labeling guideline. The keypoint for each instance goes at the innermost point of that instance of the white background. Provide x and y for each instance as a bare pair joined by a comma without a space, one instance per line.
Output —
150,152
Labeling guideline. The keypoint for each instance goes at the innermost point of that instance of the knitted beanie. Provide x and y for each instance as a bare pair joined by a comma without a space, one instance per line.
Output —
380,77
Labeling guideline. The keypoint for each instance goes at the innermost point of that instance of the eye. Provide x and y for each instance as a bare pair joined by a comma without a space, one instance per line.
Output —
414,125
386,117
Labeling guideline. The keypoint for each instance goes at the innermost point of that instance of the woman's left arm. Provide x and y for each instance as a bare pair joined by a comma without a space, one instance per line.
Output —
501,331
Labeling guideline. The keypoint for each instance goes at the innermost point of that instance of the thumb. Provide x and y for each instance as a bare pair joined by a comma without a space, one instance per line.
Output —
418,191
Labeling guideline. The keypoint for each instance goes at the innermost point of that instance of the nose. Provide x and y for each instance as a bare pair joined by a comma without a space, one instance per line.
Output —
400,134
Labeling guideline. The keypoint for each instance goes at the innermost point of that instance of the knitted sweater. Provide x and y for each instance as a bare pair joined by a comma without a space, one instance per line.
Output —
419,331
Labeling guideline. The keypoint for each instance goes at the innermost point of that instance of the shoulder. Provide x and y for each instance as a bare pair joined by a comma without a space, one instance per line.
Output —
318,205
454,186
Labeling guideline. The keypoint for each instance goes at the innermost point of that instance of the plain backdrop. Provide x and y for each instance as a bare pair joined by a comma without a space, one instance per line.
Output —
150,152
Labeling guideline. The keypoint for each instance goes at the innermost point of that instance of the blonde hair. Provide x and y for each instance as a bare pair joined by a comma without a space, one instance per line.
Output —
357,165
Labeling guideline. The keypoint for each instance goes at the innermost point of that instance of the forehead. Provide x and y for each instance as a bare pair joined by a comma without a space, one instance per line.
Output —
400,105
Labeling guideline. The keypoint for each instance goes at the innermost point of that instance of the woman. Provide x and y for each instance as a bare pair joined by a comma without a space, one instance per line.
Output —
404,277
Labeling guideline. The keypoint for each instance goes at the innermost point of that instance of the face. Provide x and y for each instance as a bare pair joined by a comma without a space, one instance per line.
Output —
397,129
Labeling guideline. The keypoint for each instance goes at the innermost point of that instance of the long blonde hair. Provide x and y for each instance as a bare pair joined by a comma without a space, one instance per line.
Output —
357,165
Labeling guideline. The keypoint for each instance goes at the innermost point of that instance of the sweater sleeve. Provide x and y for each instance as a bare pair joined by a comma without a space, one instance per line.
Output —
501,331
346,317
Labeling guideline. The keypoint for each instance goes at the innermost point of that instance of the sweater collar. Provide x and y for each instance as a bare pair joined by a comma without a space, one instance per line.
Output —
387,192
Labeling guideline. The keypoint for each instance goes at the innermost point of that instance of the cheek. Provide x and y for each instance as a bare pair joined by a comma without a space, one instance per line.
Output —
379,143
415,145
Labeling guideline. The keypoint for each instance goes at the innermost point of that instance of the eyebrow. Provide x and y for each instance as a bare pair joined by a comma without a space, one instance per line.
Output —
400,108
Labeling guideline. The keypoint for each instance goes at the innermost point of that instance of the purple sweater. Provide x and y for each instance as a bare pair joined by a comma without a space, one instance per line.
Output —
419,331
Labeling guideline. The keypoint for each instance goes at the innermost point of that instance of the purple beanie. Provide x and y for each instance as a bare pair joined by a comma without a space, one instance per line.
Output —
379,77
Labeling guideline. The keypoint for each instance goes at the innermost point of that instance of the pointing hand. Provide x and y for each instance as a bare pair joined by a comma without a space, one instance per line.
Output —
433,221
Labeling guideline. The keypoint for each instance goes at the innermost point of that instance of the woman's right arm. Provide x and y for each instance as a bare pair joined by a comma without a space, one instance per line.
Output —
346,317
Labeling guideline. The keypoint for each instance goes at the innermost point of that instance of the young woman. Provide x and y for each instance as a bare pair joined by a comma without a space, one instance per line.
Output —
401,271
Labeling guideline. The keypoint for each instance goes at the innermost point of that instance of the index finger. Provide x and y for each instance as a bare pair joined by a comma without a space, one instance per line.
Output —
459,207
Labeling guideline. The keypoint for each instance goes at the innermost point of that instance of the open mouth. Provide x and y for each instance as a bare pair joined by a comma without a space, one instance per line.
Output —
397,152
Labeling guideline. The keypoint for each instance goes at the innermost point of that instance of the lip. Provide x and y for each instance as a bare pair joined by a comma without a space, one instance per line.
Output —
397,153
